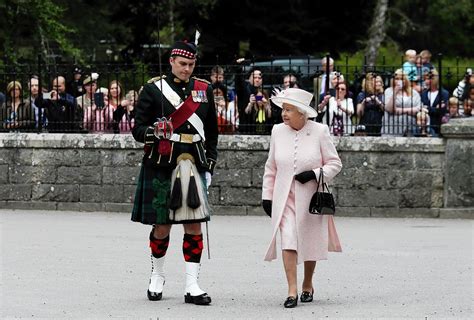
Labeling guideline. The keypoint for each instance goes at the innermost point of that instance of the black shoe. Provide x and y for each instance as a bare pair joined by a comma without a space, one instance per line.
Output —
291,302
154,296
202,299
307,296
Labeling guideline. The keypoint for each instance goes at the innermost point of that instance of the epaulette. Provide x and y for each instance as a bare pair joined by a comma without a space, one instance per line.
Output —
202,80
152,80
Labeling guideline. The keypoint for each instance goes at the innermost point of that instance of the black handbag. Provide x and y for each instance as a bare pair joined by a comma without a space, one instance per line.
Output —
322,202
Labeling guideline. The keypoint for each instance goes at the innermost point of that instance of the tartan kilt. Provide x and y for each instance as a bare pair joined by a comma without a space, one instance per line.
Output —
152,197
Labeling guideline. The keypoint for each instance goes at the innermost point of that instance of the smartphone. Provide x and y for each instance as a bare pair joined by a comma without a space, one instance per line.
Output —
99,100
46,95
258,98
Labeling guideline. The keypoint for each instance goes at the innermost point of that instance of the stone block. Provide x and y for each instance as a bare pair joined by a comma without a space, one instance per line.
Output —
56,192
367,198
240,196
28,205
129,193
459,173
357,160
400,161
436,198
119,175
256,211
22,157
80,206
32,174
415,198
118,207
419,212
17,192
231,177
4,173
229,211
257,177
102,193
213,197
456,213
55,157
91,157
433,161
122,158
81,175
352,211
245,159
391,212
6,156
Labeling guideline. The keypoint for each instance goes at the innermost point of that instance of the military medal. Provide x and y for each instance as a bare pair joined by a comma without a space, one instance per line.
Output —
195,95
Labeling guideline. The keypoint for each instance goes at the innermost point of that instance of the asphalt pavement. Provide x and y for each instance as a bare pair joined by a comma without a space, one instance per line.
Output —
77,265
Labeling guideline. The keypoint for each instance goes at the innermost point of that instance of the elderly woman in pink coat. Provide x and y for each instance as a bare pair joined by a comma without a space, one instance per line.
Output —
299,149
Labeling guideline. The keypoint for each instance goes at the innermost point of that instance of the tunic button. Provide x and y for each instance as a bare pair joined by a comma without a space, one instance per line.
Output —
189,127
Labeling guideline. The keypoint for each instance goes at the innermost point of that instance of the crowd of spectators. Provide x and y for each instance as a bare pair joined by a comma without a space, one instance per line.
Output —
413,103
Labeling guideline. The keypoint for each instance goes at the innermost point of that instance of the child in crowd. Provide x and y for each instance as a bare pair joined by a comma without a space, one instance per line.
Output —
453,108
423,128
409,67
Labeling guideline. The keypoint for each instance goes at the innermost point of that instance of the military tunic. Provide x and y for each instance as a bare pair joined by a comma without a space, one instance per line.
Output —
151,205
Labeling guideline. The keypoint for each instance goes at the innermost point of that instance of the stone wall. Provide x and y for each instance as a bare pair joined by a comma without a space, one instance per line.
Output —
388,177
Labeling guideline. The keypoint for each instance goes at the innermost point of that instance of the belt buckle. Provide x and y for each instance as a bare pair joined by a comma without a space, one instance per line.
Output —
186,138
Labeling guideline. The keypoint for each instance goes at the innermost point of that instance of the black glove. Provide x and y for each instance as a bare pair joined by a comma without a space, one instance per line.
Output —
267,206
305,176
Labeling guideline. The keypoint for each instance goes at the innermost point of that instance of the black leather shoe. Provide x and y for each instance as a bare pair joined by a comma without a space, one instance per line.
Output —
154,296
307,296
202,299
291,302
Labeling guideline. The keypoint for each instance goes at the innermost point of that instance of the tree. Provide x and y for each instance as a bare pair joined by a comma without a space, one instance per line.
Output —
376,32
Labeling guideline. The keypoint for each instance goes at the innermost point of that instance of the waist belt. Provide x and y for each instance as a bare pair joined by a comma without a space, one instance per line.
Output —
185,137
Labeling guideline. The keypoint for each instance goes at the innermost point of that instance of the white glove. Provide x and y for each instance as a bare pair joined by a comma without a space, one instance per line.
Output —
208,179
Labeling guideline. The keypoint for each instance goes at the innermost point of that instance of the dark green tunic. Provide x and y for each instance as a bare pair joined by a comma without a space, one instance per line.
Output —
154,181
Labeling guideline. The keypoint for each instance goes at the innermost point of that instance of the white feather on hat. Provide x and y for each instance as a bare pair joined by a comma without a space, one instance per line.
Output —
295,97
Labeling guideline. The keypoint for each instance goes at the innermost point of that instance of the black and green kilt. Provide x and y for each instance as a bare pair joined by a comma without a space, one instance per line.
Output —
152,197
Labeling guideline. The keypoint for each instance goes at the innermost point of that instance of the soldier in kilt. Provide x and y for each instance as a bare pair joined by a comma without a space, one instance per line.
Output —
176,120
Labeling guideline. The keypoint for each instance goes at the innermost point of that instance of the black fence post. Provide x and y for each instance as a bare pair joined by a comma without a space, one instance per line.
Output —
326,87
440,83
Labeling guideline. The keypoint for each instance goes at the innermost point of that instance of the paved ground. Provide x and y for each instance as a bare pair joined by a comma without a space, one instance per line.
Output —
70,265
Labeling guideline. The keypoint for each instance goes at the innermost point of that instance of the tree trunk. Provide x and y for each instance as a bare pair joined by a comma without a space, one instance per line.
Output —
376,32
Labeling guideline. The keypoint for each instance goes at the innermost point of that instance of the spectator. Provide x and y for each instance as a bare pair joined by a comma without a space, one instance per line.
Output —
423,127
421,71
462,90
434,99
335,79
93,110
409,67
16,114
371,104
402,103
260,112
289,81
227,115
319,82
453,110
218,75
64,115
341,108
34,101
468,105
426,60
245,90
116,114
75,86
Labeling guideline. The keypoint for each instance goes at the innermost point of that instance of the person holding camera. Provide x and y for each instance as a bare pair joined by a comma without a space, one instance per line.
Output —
299,150
260,111
371,104
175,119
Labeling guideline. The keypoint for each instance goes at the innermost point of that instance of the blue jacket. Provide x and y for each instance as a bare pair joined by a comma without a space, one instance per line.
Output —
435,111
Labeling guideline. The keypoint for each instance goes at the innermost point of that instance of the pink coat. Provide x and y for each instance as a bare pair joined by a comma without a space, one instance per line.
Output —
292,152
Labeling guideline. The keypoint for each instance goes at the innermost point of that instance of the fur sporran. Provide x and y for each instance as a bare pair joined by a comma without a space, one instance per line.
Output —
188,196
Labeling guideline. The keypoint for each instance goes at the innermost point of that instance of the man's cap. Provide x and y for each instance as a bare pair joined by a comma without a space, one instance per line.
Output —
184,49
77,70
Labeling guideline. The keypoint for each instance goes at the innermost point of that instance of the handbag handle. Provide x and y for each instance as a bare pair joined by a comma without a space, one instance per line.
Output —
321,180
